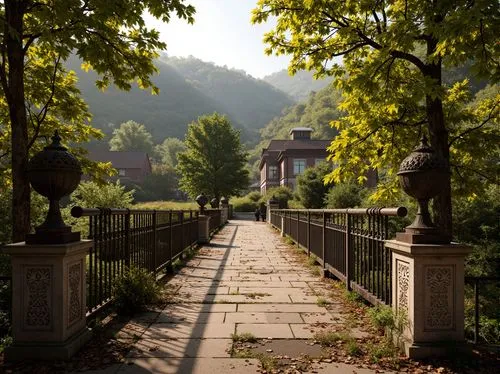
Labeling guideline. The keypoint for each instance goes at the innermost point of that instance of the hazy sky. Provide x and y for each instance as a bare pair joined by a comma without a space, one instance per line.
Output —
222,33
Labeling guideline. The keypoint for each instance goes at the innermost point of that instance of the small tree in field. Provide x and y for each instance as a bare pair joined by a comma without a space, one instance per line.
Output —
214,161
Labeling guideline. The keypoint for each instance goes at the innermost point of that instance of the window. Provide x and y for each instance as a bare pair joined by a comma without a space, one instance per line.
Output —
273,172
121,172
299,165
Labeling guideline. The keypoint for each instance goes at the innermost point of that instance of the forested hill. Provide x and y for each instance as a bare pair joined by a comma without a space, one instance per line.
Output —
188,88
298,86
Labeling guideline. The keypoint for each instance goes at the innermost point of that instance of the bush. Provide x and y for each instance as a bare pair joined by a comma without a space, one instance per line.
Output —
244,204
311,189
135,289
108,195
282,194
254,196
344,195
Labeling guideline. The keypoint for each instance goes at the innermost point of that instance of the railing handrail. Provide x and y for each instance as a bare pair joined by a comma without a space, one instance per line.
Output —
400,211
78,211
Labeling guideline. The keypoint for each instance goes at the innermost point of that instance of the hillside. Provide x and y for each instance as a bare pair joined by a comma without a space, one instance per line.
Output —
298,86
188,89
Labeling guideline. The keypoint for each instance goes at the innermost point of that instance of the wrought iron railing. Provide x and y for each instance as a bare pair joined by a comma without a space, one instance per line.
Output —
149,239
349,243
474,299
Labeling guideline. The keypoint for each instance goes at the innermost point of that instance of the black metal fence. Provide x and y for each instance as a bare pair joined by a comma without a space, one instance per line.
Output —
475,305
149,239
349,243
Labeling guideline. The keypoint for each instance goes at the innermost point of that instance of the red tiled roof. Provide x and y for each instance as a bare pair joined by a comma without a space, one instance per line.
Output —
120,160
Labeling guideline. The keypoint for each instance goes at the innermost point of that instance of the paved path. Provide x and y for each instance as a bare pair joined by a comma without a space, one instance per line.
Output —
243,282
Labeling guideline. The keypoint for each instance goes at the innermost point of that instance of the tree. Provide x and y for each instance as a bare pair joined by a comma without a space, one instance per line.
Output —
310,186
214,161
344,195
131,136
391,78
110,37
168,150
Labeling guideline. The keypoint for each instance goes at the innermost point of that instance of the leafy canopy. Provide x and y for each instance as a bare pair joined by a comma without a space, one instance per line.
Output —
131,136
391,80
168,150
214,160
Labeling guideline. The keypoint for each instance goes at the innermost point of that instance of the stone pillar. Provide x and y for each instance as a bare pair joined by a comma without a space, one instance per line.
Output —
271,205
224,213
48,300
203,229
428,289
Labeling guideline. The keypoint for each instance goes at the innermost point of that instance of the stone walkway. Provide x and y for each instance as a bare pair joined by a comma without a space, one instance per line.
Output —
243,282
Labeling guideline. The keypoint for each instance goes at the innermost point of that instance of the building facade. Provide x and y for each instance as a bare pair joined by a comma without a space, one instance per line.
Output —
131,166
283,160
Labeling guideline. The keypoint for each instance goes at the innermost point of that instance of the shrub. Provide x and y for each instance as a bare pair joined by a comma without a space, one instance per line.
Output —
244,204
108,195
344,195
135,289
311,189
282,194
254,196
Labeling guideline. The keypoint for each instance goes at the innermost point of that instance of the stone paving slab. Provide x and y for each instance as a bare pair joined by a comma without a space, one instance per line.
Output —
268,330
190,366
283,308
246,317
189,330
181,348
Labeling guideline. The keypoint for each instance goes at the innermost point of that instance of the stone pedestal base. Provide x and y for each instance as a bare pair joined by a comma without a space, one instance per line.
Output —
428,292
48,300
203,229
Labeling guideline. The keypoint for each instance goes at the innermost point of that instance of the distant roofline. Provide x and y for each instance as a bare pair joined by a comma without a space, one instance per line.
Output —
300,129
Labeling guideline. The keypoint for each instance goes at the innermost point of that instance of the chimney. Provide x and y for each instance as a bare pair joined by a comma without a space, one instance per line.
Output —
302,133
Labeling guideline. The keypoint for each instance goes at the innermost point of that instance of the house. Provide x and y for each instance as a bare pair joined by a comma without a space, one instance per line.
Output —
131,166
283,160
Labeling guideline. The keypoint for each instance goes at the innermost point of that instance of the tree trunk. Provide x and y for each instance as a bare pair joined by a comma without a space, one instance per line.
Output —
439,141
14,12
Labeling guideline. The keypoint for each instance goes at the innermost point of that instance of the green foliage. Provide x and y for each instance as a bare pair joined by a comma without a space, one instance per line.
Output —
131,136
311,187
161,184
214,160
254,196
394,54
135,289
344,195
109,195
244,204
283,194
167,205
168,150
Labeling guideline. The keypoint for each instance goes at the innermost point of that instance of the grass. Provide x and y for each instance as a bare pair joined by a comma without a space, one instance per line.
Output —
244,337
321,301
329,338
269,364
167,205
254,295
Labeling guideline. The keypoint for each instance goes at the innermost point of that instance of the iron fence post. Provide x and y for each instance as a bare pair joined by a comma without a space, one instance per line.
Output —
308,233
155,244
323,240
298,229
127,238
170,268
348,252
476,311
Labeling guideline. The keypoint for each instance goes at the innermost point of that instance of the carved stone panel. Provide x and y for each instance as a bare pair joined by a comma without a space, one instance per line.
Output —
74,292
403,286
37,311
439,297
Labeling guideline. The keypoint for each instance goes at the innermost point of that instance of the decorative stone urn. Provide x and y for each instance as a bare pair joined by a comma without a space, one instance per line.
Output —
202,200
214,203
54,173
422,175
